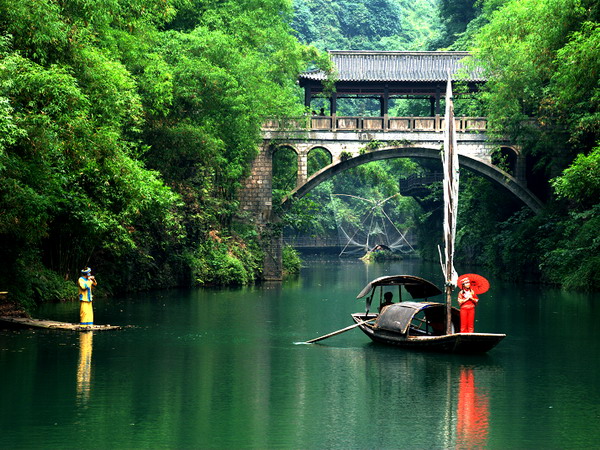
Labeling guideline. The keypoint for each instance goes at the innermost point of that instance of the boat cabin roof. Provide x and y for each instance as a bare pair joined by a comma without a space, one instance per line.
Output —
397,317
417,287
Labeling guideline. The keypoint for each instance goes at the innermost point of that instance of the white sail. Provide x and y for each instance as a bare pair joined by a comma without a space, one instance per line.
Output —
451,172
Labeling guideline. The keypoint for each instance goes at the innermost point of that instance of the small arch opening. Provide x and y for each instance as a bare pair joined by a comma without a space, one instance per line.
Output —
318,158
285,172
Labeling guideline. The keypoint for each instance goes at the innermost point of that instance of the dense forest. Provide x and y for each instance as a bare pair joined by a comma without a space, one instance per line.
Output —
366,25
543,62
128,126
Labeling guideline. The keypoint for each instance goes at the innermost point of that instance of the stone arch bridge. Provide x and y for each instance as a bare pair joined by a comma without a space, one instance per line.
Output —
362,140
383,80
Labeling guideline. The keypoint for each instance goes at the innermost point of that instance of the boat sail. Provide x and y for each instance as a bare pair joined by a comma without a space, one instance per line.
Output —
451,179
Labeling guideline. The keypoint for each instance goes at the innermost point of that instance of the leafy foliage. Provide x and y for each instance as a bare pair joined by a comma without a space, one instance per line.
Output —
574,263
291,260
543,63
455,17
528,49
126,129
580,182
71,184
365,25
217,261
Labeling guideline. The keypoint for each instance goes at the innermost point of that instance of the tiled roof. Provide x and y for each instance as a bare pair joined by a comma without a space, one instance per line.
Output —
364,65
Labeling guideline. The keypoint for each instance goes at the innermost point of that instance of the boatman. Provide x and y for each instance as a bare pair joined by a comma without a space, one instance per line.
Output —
85,284
388,296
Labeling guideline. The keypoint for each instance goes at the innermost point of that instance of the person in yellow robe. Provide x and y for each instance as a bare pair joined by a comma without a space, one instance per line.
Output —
85,284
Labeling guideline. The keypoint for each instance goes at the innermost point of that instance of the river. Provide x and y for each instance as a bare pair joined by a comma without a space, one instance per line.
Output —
222,368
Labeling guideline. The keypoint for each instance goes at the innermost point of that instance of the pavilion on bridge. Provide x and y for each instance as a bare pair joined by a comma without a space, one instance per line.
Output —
385,76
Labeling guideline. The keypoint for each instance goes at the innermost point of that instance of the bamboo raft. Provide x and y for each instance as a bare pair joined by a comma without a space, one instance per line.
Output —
54,325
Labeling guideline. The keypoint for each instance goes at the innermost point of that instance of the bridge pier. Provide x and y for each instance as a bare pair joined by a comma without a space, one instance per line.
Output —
302,168
256,204
272,246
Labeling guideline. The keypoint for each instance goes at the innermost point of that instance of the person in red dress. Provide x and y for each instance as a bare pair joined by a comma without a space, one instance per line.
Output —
467,299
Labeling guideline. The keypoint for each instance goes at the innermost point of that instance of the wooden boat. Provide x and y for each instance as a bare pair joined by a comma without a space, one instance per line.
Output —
417,325
425,325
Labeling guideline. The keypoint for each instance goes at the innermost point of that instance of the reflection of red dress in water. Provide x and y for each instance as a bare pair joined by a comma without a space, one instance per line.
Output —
473,413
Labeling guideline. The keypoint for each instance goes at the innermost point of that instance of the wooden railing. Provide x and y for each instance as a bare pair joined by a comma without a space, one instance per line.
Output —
366,123
311,242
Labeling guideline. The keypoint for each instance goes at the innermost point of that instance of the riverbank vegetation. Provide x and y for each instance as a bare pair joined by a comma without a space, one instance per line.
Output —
543,62
128,126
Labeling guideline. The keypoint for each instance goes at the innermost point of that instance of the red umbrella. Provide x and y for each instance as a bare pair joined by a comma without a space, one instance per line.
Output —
478,283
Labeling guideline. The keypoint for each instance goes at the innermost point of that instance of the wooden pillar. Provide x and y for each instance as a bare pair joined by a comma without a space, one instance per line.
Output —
307,96
333,108
438,120
385,106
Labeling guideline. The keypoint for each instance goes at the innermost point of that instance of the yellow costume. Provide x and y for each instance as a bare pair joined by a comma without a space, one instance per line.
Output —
86,312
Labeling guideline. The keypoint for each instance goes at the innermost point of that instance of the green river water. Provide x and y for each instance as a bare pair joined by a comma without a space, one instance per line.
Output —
222,368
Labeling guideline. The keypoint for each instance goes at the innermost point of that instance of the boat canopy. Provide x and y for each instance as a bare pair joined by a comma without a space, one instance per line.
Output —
417,287
397,317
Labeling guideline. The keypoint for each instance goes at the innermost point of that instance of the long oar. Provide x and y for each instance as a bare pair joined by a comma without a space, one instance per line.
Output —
343,330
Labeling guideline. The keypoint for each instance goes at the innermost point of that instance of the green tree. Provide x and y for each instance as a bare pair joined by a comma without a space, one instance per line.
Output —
455,17
94,93
580,182
524,49
365,25
542,61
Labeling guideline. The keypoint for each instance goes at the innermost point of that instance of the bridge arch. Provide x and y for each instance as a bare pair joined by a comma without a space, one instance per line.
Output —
508,157
284,165
318,157
483,168
282,147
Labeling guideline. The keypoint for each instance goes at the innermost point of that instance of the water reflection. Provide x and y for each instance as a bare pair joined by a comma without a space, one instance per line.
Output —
84,367
472,410
429,398
219,370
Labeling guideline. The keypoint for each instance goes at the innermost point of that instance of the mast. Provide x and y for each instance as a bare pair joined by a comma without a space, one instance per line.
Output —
451,172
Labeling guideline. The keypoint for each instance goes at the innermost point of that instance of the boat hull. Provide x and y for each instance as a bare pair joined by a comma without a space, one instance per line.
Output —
447,343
